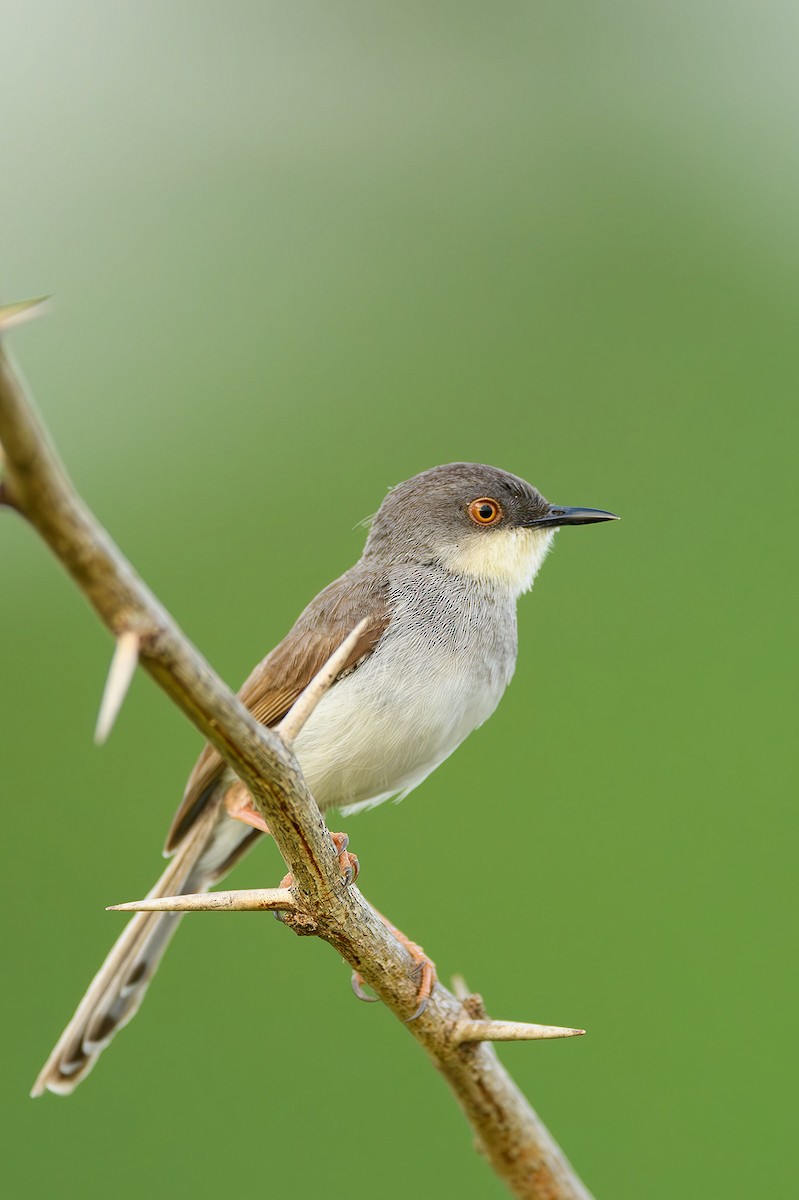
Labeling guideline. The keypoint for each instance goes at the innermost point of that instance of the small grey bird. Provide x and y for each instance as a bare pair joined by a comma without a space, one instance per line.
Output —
448,554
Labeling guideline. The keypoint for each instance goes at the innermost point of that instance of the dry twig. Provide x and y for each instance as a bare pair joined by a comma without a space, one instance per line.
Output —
452,1031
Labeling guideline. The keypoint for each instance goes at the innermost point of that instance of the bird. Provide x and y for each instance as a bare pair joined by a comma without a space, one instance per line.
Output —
448,554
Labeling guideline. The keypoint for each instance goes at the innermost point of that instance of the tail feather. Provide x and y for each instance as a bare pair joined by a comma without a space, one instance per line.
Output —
110,1002
211,847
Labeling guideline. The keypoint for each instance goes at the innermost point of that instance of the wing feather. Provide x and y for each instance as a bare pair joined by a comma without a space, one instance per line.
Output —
277,682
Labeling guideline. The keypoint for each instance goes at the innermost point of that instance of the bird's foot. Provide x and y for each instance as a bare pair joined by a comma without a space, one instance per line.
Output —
350,867
425,969
239,805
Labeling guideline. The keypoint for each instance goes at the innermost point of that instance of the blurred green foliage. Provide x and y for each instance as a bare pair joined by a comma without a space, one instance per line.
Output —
301,252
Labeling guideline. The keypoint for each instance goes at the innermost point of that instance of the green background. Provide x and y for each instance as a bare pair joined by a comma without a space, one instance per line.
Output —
300,252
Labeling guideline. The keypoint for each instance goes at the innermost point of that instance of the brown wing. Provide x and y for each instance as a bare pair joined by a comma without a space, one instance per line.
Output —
278,680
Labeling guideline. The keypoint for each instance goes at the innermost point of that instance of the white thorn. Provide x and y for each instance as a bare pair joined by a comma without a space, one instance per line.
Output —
120,673
509,1031
12,315
248,900
307,701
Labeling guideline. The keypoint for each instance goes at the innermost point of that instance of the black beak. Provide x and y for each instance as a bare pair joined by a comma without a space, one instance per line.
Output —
558,515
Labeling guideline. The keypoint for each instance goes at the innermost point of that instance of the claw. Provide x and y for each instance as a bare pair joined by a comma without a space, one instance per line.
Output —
358,985
427,977
350,867
425,969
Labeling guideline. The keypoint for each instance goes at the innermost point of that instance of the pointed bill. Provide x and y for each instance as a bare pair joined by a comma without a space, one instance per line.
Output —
120,673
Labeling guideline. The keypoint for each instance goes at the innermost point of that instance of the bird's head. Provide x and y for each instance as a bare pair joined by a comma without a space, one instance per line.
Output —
476,521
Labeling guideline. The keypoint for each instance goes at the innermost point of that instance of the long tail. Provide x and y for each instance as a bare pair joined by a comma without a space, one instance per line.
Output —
207,852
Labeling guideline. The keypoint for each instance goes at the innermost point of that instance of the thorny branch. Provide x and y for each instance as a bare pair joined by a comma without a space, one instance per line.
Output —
454,1031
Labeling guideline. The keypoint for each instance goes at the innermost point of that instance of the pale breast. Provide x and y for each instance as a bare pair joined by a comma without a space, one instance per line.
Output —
437,674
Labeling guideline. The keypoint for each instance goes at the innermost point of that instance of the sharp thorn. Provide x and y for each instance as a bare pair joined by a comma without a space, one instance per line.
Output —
252,900
12,315
307,701
120,673
510,1031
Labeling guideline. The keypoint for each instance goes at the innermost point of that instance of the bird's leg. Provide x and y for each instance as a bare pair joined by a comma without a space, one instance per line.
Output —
425,968
239,805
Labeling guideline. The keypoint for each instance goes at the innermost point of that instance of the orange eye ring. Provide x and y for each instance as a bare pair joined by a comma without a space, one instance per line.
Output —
485,511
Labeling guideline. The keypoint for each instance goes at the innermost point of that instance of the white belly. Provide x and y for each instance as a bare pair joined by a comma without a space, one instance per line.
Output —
380,731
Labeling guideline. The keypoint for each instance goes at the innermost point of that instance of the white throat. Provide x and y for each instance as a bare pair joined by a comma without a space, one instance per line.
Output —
508,558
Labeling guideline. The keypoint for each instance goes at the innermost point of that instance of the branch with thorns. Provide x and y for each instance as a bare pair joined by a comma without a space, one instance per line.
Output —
453,1028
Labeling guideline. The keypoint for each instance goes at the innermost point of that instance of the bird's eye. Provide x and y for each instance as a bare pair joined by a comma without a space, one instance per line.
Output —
485,511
